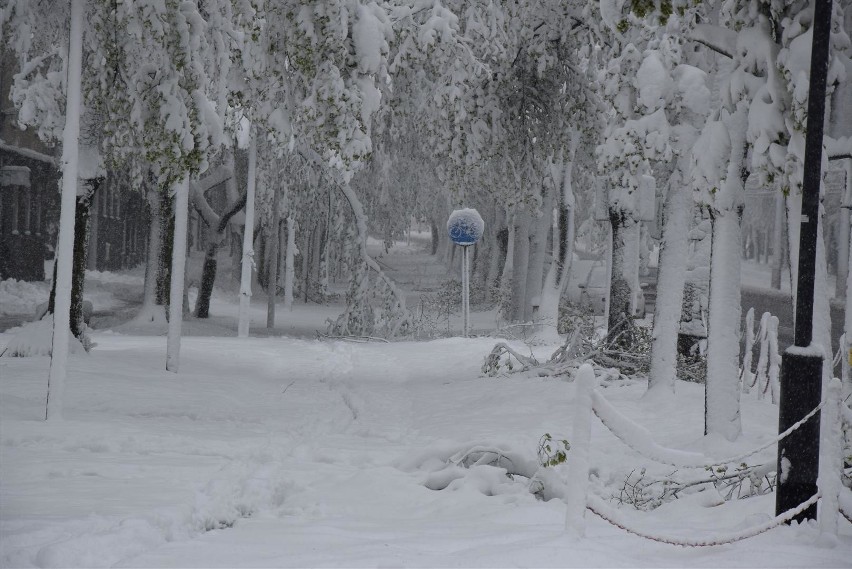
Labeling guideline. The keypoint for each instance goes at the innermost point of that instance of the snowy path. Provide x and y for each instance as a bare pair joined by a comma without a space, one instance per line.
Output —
284,452
216,467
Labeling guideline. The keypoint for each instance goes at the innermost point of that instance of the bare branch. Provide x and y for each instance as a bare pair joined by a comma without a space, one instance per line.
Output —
721,40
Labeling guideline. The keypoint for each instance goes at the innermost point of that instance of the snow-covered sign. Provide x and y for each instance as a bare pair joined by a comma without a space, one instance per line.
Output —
465,226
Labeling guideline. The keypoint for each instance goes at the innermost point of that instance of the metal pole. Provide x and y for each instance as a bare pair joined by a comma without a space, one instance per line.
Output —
801,366
466,290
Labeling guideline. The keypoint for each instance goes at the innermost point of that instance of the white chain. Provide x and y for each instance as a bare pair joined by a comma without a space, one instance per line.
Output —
737,458
600,508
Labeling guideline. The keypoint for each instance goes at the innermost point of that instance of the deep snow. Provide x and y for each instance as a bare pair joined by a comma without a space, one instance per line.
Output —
297,452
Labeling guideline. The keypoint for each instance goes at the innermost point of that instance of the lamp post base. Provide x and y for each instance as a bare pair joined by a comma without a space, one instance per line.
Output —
798,453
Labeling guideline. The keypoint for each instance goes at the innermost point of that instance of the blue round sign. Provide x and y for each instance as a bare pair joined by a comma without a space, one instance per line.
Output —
465,226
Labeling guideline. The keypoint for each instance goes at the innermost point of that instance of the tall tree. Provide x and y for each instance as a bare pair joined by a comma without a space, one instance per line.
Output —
764,100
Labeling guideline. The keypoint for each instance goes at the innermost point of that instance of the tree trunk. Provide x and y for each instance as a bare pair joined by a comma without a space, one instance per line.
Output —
306,253
778,246
558,275
164,271
65,243
149,298
722,411
218,226
92,248
289,264
272,273
208,277
670,283
538,251
620,316
208,272
178,270
314,259
507,275
722,391
847,314
843,232
78,274
435,236
495,251
556,280
248,243
521,266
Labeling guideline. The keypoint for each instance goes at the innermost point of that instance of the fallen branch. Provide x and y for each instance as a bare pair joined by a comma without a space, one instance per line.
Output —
351,338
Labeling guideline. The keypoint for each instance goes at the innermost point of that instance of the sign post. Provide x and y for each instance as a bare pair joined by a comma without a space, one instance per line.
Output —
465,227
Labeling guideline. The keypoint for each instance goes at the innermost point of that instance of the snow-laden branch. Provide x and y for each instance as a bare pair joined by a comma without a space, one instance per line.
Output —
360,215
198,188
721,40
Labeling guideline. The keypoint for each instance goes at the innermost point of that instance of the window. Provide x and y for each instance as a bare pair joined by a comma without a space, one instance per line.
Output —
26,209
36,219
14,209
15,182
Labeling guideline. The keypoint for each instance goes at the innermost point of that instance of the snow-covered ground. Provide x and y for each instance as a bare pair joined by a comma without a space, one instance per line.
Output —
105,290
283,451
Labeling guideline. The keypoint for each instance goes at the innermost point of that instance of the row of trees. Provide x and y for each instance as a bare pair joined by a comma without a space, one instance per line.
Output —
372,113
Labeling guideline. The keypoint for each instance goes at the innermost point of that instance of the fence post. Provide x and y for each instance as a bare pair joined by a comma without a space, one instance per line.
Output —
829,475
578,458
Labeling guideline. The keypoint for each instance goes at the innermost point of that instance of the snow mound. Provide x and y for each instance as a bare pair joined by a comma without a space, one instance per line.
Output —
21,297
150,321
115,278
36,339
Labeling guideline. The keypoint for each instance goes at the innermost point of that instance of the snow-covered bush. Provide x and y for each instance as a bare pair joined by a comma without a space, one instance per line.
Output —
645,491
552,453
36,339
435,309
574,315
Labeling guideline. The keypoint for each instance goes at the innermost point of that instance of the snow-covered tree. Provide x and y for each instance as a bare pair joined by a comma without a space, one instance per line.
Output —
763,94
657,102
147,75
494,96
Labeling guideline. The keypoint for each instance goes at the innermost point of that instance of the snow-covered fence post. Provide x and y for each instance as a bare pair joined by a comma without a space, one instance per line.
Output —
578,458
831,460
177,277
248,241
65,241
465,227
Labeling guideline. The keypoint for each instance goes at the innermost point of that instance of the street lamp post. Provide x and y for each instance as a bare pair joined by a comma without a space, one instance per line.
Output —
801,364
465,227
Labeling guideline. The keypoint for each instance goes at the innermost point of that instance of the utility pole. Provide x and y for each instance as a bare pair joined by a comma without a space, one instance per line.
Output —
801,364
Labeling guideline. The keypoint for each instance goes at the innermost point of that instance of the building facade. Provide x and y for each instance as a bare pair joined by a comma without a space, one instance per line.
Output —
30,202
